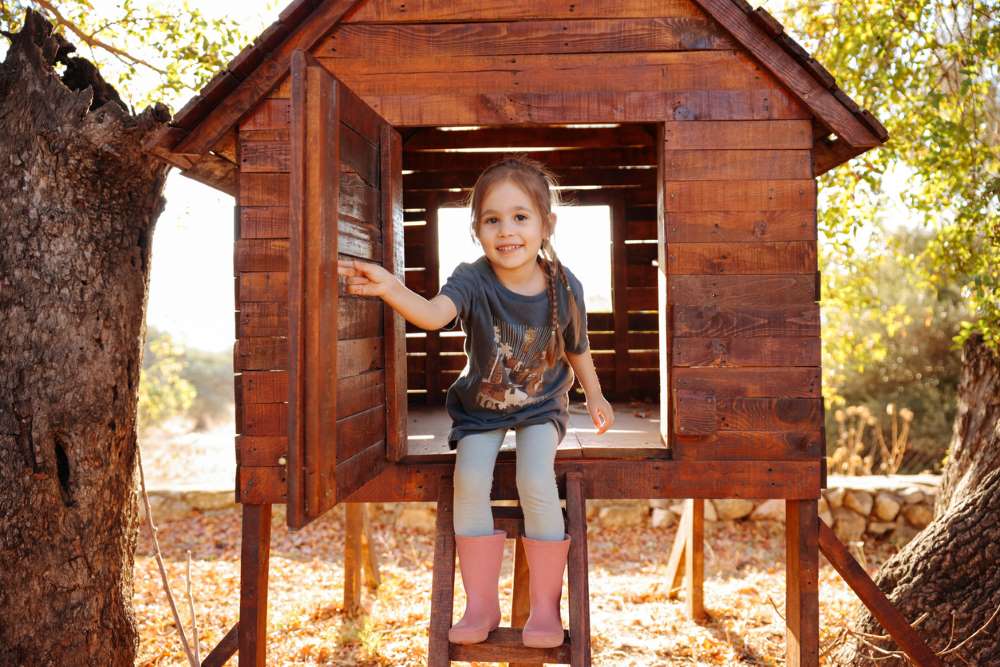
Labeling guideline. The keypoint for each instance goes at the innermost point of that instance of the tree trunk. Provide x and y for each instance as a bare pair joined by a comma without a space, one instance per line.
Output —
952,568
78,203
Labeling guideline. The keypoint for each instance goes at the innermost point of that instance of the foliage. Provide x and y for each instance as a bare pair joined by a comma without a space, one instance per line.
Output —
183,382
148,50
211,374
163,392
928,69
911,362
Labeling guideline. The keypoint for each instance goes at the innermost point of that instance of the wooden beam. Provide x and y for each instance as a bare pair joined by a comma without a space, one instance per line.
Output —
225,649
675,564
694,560
801,584
254,563
828,154
881,608
603,478
432,139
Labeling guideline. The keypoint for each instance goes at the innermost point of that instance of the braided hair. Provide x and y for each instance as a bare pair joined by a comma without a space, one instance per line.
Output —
538,182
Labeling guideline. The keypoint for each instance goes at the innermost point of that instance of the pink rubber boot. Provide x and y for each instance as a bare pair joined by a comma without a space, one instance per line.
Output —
546,564
479,559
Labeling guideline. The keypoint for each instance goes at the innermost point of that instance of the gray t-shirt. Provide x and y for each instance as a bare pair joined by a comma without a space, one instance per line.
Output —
505,382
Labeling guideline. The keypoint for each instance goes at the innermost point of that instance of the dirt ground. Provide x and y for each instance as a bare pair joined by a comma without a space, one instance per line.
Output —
632,621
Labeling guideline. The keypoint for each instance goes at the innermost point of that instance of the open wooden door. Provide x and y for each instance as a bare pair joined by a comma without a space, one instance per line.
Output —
347,359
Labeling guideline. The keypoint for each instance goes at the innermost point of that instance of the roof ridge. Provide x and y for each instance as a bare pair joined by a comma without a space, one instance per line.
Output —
773,27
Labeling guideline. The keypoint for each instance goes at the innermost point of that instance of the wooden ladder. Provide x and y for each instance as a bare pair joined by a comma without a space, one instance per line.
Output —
504,643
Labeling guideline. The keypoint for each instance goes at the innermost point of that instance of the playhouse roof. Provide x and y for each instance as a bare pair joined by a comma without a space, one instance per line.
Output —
198,139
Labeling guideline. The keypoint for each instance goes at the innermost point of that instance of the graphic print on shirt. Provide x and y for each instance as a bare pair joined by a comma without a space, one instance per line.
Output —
514,378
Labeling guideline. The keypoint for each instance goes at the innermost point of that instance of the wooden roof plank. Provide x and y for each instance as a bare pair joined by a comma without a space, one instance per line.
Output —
206,118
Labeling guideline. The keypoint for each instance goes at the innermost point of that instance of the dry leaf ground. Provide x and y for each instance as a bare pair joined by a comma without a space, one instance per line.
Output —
632,621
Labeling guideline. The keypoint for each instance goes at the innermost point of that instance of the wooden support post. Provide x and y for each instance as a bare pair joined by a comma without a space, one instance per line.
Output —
694,560
876,601
443,579
254,561
431,287
801,583
353,525
619,296
369,556
675,565
579,589
521,603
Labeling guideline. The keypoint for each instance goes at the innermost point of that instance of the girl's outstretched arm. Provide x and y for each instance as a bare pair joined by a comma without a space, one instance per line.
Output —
599,408
368,279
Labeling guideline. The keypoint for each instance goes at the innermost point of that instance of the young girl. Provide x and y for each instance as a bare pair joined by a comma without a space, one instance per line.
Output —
525,323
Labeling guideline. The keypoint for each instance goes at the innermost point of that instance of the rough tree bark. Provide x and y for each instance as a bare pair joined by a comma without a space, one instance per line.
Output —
952,568
78,203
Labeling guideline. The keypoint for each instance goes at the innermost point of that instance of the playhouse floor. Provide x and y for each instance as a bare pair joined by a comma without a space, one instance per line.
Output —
635,434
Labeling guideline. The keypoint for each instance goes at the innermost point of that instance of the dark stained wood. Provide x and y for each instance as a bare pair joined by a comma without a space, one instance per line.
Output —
909,640
263,450
432,139
801,583
390,161
431,285
772,351
443,577
770,135
764,414
495,108
254,561
664,297
729,165
694,560
353,525
520,606
736,226
263,222
793,382
468,10
393,41
744,290
578,571
715,322
262,286
619,301
675,563
606,156
696,414
609,478
735,445
225,649
742,258
745,195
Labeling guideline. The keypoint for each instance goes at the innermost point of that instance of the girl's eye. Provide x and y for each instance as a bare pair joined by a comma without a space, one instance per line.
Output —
489,220
522,215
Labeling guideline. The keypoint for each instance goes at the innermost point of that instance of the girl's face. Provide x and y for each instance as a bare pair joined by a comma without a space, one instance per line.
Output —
511,229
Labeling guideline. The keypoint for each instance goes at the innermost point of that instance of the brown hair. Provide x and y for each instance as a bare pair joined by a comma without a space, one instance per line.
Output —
538,183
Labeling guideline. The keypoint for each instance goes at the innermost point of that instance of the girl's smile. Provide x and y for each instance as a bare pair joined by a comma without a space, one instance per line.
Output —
511,231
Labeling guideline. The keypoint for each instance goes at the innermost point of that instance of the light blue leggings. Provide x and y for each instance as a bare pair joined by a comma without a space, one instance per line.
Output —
536,481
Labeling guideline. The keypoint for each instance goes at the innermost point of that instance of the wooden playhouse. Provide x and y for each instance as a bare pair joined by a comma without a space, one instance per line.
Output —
699,123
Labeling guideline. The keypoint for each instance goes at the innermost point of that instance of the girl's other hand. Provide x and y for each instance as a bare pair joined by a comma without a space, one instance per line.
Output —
366,278
601,413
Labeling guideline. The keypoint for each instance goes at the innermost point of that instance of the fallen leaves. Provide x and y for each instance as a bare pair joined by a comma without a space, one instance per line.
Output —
633,622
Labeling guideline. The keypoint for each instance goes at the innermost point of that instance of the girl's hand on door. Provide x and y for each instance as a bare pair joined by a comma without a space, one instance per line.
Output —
366,278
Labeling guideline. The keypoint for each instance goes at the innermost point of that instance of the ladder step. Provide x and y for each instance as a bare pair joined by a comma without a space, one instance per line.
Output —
511,520
504,645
